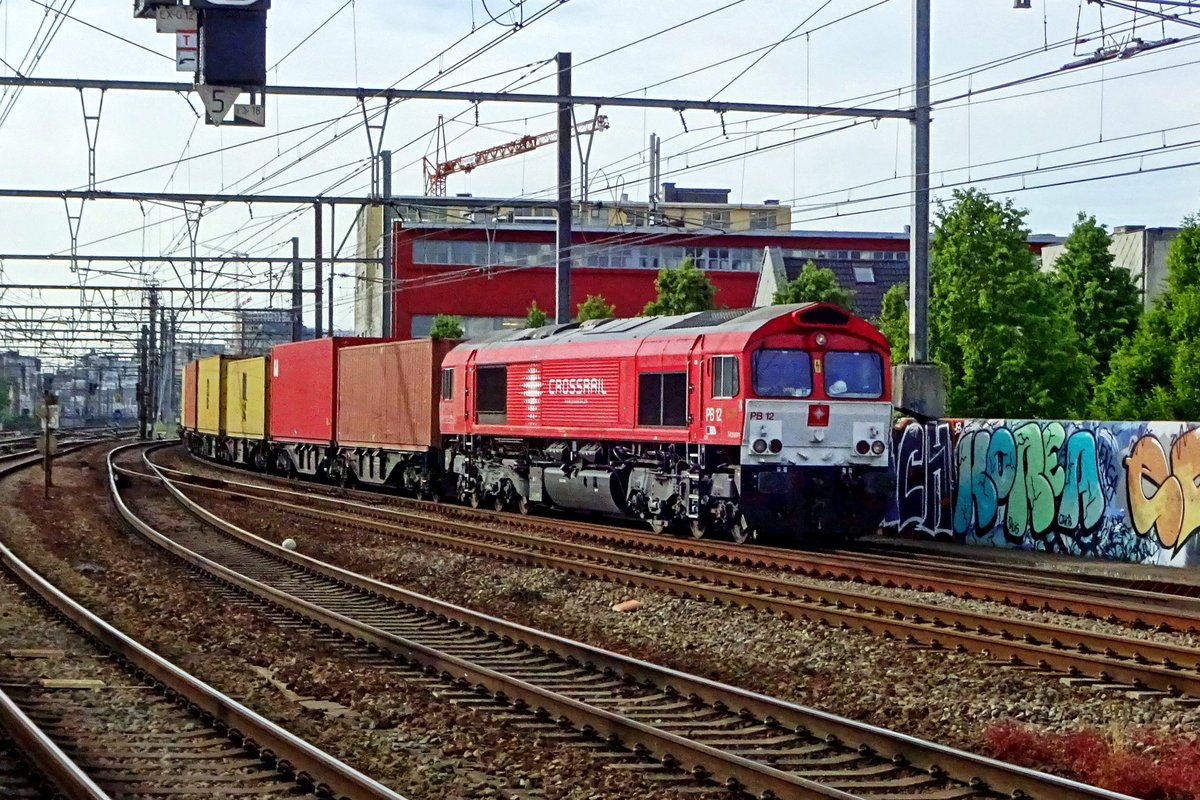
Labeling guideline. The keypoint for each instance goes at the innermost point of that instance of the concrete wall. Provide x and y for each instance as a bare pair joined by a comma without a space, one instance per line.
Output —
1116,490
368,278
1141,251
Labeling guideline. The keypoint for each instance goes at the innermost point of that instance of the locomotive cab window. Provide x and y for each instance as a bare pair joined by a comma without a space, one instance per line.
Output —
447,384
782,373
491,395
853,374
724,377
662,399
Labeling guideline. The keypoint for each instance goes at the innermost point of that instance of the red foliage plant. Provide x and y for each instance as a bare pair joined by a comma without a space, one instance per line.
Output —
1144,764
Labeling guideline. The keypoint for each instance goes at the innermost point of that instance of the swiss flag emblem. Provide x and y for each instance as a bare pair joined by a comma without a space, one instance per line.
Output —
818,415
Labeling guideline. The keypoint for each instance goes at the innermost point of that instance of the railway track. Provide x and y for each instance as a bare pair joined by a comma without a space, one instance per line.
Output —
726,735
1142,604
86,712
26,454
1119,662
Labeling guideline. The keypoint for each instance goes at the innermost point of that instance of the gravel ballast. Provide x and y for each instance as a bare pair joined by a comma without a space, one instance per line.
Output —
397,732
935,694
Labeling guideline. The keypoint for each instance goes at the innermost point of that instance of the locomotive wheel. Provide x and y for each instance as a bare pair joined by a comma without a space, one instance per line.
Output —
699,529
657,525
475,499
739,532
498,502
522,506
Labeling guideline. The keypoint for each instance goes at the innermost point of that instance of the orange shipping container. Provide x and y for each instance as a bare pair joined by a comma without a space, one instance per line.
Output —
388,394
189,395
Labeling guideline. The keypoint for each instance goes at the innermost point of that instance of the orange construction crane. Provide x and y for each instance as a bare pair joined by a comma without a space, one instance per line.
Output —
436,172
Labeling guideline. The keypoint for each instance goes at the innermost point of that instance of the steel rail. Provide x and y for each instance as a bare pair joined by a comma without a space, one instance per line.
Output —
15,462
310,765
1047,590
1139,608
1103,656
45,756
981,774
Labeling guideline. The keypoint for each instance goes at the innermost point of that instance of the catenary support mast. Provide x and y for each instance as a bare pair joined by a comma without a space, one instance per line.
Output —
562,267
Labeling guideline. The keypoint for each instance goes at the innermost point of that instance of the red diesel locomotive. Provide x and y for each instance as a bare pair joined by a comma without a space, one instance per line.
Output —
770,421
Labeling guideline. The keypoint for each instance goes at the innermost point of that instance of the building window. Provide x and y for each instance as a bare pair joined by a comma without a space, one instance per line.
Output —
472,326
864,274
662,399
763,220
717,219
491,395
447,384
724,377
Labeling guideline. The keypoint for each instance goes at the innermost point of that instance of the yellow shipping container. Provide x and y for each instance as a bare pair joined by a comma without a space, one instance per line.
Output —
210,411
246,390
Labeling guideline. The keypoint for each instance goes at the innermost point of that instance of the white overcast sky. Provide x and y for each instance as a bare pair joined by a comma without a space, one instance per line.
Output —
849,180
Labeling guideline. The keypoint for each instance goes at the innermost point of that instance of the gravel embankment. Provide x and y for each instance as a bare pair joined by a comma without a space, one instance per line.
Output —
399,733
939,695
177,459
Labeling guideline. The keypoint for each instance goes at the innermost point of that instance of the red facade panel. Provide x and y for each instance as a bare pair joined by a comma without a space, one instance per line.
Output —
303,389
190,374
561,394
388,394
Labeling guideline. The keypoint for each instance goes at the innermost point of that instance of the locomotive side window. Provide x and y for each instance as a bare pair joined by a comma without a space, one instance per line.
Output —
662,399
491,395
724,377
853,374
782,373
447,384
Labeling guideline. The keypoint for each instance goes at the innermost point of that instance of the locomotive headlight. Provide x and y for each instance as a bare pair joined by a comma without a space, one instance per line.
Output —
776,445
821,339
862,447
759,446
877,447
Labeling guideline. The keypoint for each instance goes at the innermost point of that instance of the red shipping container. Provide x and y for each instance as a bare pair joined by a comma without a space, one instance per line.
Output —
303,382
389,394
190,376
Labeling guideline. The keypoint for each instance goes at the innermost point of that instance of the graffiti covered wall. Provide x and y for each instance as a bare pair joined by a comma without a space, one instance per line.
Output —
1117,490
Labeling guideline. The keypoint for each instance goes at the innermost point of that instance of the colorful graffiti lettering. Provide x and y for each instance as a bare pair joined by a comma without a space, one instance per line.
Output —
1122,490
1039,483
1164,494
925,479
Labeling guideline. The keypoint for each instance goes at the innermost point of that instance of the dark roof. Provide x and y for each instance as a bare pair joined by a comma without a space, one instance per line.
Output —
684,194
868,297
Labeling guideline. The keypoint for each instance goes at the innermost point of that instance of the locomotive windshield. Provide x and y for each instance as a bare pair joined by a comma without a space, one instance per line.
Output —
782,373
853,374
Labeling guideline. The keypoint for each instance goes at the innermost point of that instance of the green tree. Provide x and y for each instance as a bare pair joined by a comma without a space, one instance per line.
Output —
681,291
446,326
893,321
997,324
5,398
814,285
1102,301
594,308
534,316
1156,374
